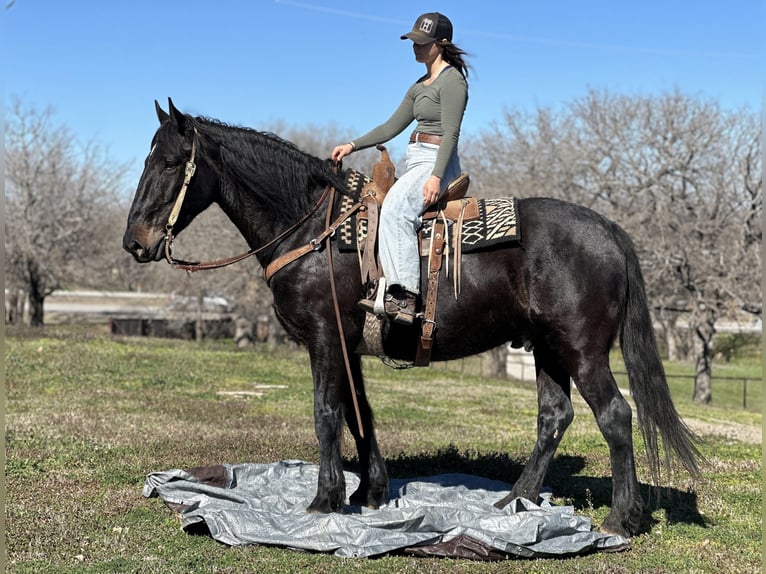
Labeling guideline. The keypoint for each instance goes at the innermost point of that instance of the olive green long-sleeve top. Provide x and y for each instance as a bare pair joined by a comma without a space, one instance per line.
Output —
438,109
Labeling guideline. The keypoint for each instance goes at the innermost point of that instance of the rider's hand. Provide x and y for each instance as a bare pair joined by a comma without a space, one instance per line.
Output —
431,190
341,151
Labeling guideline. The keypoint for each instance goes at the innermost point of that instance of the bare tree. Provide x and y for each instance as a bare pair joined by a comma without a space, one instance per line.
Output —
58,197
679,173
683,176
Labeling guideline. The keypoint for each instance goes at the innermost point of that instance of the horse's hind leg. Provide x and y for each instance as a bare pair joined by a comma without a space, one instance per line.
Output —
613,415
373,483
554,415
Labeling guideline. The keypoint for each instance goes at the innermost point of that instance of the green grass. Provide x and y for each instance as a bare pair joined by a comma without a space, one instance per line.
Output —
88,416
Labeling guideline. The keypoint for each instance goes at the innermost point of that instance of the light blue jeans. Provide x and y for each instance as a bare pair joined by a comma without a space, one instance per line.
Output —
400,216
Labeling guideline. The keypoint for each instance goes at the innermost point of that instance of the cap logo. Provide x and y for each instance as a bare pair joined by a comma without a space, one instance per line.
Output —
427,25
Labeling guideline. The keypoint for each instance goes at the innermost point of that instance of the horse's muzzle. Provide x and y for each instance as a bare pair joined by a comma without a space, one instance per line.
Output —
145,245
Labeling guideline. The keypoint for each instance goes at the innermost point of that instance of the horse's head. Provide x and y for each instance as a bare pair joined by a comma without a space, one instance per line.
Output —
173,146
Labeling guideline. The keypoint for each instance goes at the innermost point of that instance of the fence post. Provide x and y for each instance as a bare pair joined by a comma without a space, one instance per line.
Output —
744,393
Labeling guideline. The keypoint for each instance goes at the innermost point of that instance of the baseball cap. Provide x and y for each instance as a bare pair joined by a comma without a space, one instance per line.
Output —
429,28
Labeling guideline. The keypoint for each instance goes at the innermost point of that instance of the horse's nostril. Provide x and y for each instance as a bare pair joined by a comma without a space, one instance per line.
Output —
134,248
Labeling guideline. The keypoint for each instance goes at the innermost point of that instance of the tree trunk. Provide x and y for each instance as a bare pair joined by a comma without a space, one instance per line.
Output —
669,323
704,332
12,306
670,343
199,324
36,299
498,358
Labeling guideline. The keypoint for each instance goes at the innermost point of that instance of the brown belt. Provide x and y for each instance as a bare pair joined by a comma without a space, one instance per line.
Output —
419,137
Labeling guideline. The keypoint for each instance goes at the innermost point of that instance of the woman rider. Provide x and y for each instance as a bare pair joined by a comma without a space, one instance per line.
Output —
437,101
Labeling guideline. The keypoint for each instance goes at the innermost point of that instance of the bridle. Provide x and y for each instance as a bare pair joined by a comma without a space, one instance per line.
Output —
189,170
191,266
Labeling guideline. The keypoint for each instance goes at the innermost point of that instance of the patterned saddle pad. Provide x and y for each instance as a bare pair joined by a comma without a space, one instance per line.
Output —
497,223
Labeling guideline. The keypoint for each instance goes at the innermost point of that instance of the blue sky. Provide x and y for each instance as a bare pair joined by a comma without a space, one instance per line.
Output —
101,64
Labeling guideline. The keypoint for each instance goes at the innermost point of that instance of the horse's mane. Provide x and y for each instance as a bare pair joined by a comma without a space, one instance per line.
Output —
262,166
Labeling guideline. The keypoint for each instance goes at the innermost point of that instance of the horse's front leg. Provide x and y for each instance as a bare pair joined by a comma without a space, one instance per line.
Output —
373,483
328,373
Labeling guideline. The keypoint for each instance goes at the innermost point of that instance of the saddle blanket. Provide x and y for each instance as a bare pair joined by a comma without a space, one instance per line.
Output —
497,223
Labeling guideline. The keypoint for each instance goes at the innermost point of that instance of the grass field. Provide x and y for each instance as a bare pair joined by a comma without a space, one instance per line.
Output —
88,416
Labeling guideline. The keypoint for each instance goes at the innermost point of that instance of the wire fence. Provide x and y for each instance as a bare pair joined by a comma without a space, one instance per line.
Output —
744,380
525,371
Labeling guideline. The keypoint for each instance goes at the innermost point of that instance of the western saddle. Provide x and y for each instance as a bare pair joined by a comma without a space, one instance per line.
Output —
449,212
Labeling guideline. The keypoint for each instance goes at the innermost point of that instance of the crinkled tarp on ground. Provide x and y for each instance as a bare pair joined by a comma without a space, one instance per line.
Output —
444,515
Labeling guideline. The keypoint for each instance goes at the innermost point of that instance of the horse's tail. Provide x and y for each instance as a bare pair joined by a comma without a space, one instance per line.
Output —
646,375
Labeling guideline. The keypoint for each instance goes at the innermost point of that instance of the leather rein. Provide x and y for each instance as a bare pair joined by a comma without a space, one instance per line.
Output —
315,244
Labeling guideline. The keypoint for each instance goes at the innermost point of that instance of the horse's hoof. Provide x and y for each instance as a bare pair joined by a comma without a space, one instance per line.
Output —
611,532
626,520
311,509
616,528
323,506
503,502
367,499
363,501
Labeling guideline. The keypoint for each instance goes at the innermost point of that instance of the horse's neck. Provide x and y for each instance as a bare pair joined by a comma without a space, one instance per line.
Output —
253,222
259,226
262,213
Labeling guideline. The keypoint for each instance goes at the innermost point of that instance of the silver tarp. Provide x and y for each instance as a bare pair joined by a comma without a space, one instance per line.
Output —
444,515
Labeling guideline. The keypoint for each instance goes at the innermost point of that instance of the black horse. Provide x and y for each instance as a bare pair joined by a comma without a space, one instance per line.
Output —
569,289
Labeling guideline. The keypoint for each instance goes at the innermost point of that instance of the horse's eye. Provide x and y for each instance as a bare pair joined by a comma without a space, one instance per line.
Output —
170,165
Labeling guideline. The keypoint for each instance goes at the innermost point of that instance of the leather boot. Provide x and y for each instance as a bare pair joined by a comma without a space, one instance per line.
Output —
401,305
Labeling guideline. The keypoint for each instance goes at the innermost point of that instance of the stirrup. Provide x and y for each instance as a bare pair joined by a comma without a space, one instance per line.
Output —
377,303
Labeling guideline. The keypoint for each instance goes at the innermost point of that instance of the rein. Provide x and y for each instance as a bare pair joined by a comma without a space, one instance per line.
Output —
191,266
339,321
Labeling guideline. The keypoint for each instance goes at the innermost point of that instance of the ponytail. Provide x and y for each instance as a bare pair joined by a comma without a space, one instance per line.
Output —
454,56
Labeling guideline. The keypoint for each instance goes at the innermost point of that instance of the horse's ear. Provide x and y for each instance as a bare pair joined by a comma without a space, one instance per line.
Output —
161,114
178,118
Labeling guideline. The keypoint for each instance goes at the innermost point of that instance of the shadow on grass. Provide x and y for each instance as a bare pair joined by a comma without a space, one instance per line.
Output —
562,478
680,507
